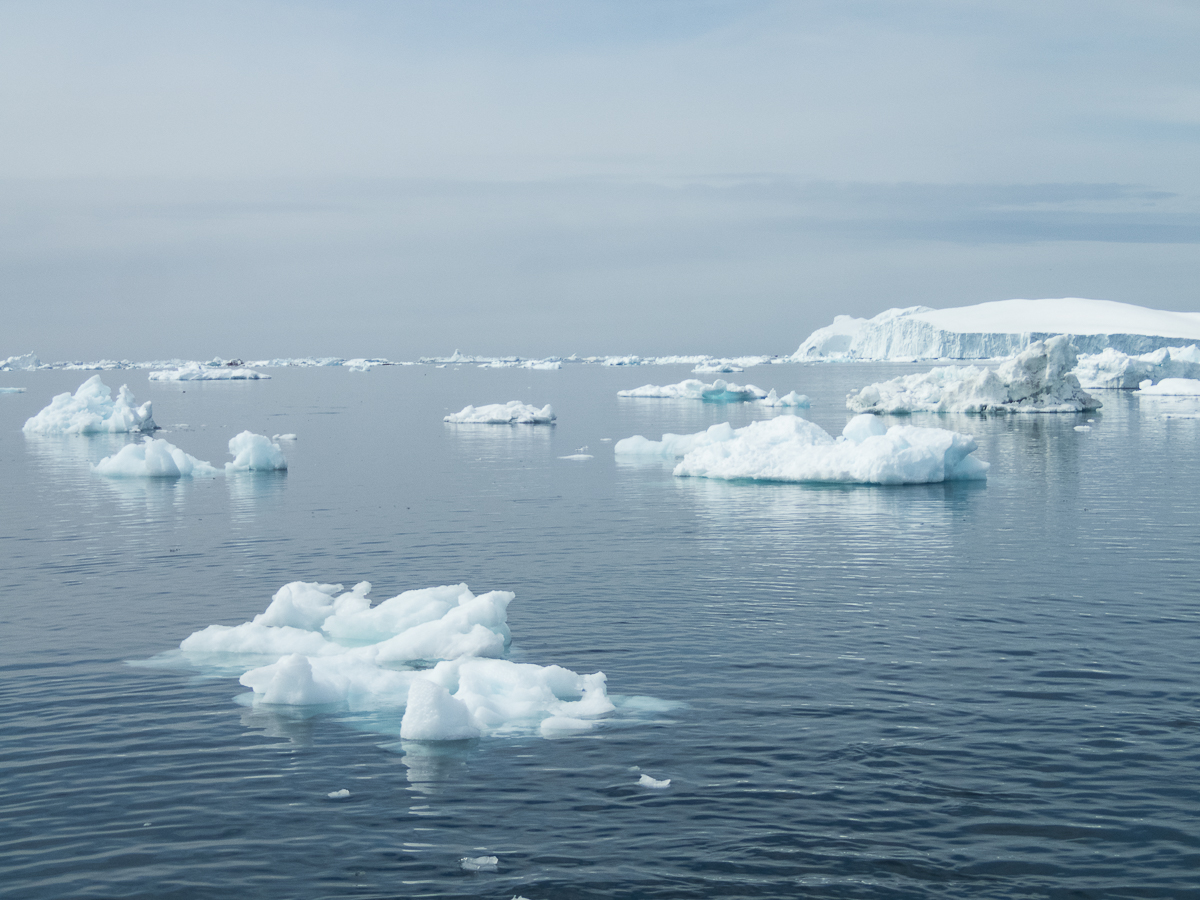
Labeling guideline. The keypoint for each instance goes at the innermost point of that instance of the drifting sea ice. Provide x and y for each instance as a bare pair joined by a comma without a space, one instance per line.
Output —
332,647
1038,379
12,390
512,413
789,448
255,453
718,392
1171,387
156,458
197,372
1114,369
92,410
26,362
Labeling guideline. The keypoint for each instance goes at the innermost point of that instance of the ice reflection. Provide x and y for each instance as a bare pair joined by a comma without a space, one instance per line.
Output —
250,491
294,724
432,764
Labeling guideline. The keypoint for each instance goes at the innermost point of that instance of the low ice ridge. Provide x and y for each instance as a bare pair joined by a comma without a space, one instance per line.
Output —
1037,380
719,391
157,458
512,413
1113,369
793,449
332,647
1171,387
92,410
197,372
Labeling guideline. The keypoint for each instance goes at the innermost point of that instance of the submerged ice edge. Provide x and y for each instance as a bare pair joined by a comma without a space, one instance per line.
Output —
437,653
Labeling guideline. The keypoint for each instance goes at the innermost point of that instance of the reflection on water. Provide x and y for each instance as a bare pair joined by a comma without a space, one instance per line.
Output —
249,491
294,724
431,765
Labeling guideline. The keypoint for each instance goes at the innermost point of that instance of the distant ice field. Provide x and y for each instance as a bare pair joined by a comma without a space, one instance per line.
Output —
980,689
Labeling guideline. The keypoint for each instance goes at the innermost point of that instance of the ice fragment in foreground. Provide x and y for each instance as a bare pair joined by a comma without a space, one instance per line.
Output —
1171,387
338,795
92,410
255,452
480,863
647,781
512,413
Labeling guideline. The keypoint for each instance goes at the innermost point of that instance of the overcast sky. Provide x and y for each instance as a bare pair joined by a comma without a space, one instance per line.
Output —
402,179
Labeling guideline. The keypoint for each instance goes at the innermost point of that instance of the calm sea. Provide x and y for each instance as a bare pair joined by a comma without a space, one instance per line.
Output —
985,690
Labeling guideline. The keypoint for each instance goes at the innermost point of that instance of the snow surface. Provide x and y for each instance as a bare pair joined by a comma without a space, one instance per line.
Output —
512,413
1113,369
719,391
255,452
789,448
1172,387
1039,379
92,410
197,372
333,647
999,328
153,458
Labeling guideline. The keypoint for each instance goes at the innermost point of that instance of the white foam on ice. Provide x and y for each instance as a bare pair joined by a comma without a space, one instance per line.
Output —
791,400
648,782
998,329
512,413
333,648
92,410
789,448
197,372
255,452
1037,380
1171,387
153,458
1113,369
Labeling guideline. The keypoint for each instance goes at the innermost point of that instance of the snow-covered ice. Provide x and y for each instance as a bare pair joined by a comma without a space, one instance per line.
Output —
1039,379
153,458
1113,369
92,410
999,328
512,413
647,781
332,646
197,372
255,452
1171,387
12,390
789,448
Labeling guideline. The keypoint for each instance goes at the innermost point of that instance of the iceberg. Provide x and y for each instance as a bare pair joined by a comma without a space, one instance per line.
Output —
998,329
789,448
332,647
197,372
512,413
22,363
12,390
1039,379
152,458
255,452
718,392
92,410
1172,387
1116,370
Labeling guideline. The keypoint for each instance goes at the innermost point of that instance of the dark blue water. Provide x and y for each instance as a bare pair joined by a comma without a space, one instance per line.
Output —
973,690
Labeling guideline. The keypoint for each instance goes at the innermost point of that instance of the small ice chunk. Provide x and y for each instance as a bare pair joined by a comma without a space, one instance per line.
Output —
512,413
255,452
480,863
338,795
647,781
12,390
1083,427
153,458
92,410
578,456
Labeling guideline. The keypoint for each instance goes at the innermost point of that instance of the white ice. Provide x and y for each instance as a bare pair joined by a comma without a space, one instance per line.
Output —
332,647
255,452
1113,369
512,413
719,391
12,390
91,410
1171,387
153,458
25,362
338,795
479,863
1039,379
647,781
998,329
789,448
197,372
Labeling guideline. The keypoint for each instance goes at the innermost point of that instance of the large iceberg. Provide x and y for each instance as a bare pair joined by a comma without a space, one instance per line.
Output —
332,647
1039,379
789,448
719,391
512,413
92,410
999,328
197,372
1113,369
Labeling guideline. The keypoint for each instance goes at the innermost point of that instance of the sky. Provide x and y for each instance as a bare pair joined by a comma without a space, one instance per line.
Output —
399,179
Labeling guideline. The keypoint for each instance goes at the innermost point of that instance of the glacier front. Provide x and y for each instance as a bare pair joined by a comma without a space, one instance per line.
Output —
999,328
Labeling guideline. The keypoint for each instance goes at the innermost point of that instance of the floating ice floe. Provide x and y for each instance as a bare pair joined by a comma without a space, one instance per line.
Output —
197,372
512,413
1171,387
999,328
27,362
1113,369
333,647
92,410
1037,380
156,458
789,448
717,367
647,781
479,863
338,795
12,390
719,391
